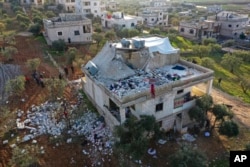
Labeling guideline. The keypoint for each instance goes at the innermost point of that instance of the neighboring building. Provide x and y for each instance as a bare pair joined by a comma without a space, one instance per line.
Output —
214,8
200,29
72,28
95,7
185,13
32,2
232,24
69,5
144,76
112,5
159,3
154,17
120,20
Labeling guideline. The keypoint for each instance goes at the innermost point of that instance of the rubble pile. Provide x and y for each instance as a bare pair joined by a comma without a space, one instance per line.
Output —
143,79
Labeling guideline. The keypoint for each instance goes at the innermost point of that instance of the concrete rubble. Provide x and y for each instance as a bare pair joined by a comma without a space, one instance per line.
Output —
48,118
141,81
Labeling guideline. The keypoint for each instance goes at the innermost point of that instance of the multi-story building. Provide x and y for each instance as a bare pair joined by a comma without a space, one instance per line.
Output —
69,5
32,2
120,20
95,7
112,5
144,76
198,30
70,27
153,17
232,23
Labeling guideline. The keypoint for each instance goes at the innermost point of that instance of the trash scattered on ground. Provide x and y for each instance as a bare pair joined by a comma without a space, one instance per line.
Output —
161,141
188,137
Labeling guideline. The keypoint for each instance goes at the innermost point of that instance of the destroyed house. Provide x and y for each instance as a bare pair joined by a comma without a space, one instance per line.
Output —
145,76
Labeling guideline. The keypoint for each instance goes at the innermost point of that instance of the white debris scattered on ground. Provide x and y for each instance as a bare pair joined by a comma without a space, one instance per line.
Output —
188,137
49,118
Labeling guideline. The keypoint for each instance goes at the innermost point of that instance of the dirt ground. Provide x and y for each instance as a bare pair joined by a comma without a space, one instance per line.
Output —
66,155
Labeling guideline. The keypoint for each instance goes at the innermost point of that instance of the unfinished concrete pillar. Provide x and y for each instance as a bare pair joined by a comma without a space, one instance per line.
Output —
122,115
209,86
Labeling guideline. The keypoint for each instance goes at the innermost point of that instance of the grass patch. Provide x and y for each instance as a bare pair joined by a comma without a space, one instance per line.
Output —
230,82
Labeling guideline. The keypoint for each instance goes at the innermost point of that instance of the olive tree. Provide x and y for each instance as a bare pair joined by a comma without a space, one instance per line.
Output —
188,157
33,64
8,52
15,86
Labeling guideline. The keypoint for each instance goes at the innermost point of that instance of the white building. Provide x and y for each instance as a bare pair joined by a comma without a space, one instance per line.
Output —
153,17
120,20
70,27
144,76
32,2
232,23
214,9
95,7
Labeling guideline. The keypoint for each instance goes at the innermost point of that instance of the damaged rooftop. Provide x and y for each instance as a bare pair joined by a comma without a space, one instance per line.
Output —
128,68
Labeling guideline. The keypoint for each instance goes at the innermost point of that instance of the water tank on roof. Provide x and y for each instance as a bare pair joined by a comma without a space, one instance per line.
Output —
125,42
138,44
92,68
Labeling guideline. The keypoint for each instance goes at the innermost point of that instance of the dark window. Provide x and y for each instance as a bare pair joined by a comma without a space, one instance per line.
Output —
191,31
59,33
180,91
76,32
237,25
152,19
132,24
123,25
182,29
159,107
229,25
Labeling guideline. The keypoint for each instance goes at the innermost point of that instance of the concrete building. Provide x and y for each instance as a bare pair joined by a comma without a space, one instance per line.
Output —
152,17
214,8
144,76
69,5
95,7
198,30
232,24
120,20
70,27
112,5
32,2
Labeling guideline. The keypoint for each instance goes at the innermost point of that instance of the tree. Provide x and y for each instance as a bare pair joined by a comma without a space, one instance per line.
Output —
35,28
133,135
71,55
56,87
59,45
60,7
201,50
231,62
205,102
208,41
50,14
220,112
196,113
245,84
8,52
155,31
110,35
15,86
229,128
207,62
98,38
133,32
2,27
216,49
33,64
188,157
244,55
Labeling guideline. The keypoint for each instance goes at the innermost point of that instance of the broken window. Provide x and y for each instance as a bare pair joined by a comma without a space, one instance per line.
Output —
178,102
86,29
76,32
159,107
